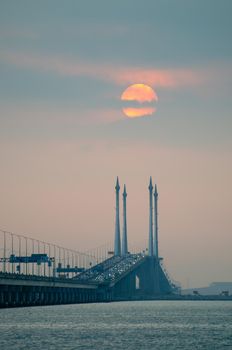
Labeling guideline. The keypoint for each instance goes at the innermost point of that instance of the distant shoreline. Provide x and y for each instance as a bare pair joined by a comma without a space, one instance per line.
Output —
182,298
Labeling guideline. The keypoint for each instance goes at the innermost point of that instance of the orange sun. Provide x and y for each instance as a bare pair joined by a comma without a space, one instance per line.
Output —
142,94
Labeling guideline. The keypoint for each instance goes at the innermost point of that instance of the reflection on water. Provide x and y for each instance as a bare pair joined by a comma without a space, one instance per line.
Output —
160,325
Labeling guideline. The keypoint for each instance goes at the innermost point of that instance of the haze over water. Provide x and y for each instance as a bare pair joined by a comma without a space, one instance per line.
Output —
64,137
161,325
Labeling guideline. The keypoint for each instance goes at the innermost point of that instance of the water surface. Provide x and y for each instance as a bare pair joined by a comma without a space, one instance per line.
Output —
160,325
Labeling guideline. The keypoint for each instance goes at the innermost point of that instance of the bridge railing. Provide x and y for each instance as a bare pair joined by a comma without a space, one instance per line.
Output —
23,255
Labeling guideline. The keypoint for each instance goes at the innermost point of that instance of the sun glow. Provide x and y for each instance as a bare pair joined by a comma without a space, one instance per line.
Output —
138,112
140,94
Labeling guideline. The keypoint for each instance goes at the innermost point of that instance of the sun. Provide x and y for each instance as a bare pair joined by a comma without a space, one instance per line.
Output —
142,96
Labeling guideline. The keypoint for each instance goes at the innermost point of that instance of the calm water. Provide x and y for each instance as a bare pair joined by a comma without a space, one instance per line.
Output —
160,325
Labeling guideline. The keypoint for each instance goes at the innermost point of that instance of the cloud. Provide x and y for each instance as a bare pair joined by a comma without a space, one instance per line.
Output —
164,78
14,33
120,75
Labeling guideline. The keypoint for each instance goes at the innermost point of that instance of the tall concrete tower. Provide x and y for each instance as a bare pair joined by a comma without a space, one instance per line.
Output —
156,250
117,240
124,235
150,240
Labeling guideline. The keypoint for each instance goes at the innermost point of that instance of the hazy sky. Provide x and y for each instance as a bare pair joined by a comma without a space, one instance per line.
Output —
64,138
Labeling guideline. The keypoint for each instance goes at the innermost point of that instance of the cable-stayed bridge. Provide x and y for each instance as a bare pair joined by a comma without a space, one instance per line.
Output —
33,272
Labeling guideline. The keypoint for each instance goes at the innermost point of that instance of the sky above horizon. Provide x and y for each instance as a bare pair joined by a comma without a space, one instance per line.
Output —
64,137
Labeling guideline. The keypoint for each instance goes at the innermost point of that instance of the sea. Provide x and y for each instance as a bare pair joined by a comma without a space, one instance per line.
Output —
148,325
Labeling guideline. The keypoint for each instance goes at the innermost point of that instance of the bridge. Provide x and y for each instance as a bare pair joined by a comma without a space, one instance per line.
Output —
33,272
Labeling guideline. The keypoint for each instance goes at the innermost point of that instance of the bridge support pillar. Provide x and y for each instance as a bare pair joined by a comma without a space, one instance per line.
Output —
1,298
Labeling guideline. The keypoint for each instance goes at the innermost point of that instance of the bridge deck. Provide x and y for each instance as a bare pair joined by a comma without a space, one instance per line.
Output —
111,269
33,280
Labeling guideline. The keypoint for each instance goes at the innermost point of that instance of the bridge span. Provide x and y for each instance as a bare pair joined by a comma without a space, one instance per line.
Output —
38,273
134,277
